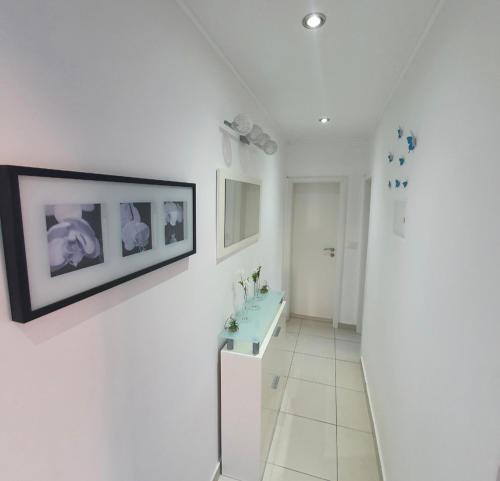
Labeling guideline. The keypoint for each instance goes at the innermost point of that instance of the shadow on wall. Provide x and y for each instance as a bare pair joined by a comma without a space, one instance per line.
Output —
51,325
227,151
236,153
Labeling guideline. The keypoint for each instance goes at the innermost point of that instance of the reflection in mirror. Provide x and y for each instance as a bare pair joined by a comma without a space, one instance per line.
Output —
242,210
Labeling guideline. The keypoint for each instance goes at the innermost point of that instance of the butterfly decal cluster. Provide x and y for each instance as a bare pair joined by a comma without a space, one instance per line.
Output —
411,140
398,184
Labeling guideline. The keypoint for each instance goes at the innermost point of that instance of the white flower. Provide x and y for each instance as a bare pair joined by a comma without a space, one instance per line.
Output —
70,241
135,234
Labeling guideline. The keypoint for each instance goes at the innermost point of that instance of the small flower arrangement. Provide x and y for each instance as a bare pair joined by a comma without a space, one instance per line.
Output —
231,324
243,282
264,289
256,281
256,274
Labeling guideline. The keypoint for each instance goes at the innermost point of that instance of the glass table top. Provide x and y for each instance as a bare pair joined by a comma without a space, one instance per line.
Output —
254,321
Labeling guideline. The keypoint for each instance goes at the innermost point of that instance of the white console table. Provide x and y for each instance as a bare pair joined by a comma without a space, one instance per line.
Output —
253,377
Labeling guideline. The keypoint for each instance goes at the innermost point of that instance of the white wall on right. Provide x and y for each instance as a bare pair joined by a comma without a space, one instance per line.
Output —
431,338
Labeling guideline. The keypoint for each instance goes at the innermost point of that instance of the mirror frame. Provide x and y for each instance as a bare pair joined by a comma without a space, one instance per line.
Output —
222,176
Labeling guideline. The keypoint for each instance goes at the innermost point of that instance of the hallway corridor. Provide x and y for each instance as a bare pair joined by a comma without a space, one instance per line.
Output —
192,190
324,429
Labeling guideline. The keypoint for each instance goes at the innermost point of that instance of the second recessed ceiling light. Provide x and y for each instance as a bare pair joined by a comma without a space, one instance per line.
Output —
314,20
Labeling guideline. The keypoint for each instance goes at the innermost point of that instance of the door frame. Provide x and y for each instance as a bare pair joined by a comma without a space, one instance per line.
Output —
341,229
365,235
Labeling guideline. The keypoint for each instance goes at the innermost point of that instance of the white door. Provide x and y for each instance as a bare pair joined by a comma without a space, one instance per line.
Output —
314,236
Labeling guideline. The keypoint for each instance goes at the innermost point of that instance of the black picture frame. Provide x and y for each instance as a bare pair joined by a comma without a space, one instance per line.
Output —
14,241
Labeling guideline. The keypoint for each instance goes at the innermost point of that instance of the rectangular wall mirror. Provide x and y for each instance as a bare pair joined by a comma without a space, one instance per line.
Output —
238,212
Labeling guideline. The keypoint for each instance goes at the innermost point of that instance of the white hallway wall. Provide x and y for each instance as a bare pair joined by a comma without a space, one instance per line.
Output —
123,386
431,323
344,157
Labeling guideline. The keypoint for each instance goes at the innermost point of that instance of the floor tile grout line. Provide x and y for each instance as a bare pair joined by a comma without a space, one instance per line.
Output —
324,357
326,422
309,334
354,429
311,382
309,418
345,360
300,472
348,340
314,355
349,389
321,337
324,383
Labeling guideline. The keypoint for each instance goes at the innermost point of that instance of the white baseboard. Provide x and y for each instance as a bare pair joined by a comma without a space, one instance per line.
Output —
310,318
347,325
216,475
374,421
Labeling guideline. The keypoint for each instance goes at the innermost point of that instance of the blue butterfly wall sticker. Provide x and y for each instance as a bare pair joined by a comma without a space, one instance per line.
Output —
390,185
390,157
405,184
400,132
412,142
401,161
397,183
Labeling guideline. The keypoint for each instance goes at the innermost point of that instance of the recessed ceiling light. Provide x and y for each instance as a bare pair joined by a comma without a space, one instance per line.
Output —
314,20
324,120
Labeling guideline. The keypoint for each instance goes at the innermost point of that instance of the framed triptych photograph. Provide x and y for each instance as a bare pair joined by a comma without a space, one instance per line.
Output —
69,235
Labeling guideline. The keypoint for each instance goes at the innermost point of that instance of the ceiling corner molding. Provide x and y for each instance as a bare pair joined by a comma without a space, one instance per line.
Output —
411,58
194,19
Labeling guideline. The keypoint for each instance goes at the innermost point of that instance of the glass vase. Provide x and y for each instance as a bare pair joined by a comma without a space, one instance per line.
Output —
260,297
253,303
244,316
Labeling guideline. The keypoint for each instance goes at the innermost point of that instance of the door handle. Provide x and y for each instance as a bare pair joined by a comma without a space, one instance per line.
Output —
276,381
331,250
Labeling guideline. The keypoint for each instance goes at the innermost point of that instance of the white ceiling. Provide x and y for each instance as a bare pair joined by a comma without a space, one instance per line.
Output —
347,70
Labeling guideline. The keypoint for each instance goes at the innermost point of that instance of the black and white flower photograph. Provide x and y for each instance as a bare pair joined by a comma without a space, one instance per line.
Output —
135,227
174,216
74,235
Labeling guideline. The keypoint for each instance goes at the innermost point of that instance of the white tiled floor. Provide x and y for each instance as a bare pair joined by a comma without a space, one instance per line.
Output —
313,368
310,400
348,350
315,328
324,430
347,335
277,473
286,342
305,445
315,346
352,410
356,456
349,375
